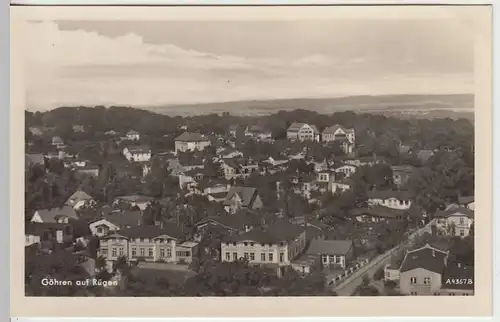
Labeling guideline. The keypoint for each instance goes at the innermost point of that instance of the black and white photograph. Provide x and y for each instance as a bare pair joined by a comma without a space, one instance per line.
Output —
250,158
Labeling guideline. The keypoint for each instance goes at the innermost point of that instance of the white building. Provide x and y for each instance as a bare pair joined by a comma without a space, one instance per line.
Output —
133,135
339,133
455,221
302,132
391,199
191,142
139,153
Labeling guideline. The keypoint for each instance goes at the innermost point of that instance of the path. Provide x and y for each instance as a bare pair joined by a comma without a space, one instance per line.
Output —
348,286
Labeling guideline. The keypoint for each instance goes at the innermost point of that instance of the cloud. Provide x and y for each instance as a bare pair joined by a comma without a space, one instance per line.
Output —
78,67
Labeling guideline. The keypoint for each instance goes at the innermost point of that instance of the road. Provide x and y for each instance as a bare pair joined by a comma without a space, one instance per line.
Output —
347,287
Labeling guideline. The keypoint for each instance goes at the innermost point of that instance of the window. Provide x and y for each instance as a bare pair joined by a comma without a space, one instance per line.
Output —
413,280
452,294
150,252
245,243
104,252
134,252
245,255
263,257
282,257
235,256
270,257
427,280
324,259
228,256
113,252
162,252
413,293
121,251
142,252
338,260
251,244
169,252
462,233
388,274
252,256
461,220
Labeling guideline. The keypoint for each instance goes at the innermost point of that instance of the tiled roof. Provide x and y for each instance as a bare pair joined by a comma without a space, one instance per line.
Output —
122,219
386,194
79,195
336,247
51,215
246,194
280,231
191,137
455,211
426,257
171,230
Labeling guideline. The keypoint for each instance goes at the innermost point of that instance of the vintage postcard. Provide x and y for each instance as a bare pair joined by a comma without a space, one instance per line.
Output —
251,161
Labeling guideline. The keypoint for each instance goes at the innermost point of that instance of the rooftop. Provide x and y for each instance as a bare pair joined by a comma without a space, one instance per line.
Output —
336,247
191,137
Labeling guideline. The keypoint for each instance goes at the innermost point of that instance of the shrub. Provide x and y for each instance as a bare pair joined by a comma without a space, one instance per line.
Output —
390,284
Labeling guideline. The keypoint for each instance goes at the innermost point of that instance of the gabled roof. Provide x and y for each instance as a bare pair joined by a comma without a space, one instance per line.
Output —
51,215
191,137
171,230
332,129
136,149
296,126
238,221
336,247
246,194
122,219
79,195
387,194
427,257
455,211
464,200
34,158
280,231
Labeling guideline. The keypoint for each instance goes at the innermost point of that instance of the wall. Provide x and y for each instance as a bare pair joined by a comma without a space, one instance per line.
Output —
420,288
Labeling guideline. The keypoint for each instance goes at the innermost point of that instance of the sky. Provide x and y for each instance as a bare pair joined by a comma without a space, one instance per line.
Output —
150,63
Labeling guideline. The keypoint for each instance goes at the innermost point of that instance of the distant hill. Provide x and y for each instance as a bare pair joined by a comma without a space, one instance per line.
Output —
428,106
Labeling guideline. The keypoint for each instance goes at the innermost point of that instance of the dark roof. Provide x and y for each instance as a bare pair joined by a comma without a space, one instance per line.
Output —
336,247
378,211
135,198
455,211
218,195
122,219
402,168
191,137
191,162
387,194
246,194
237,221
463,200
426,257
37,229
139,149
171,230
51,215
34,158
279,231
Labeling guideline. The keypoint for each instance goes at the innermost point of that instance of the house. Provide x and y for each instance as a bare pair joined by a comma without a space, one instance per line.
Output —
378,213
141,202
57,141
32,159
62,215
258,133
233,129
133,135
36,130
137,153
467,201
148,243
80,199
333,253
242,197
325,176
88,169
238,223
424,155
302,132
340,186
111,133
388,198
401,174
337,133
315,229
47,233
189,178
405,149
78,128
344,168
456,221
238,168
230,153
277,244
114,221
421,271
188,141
